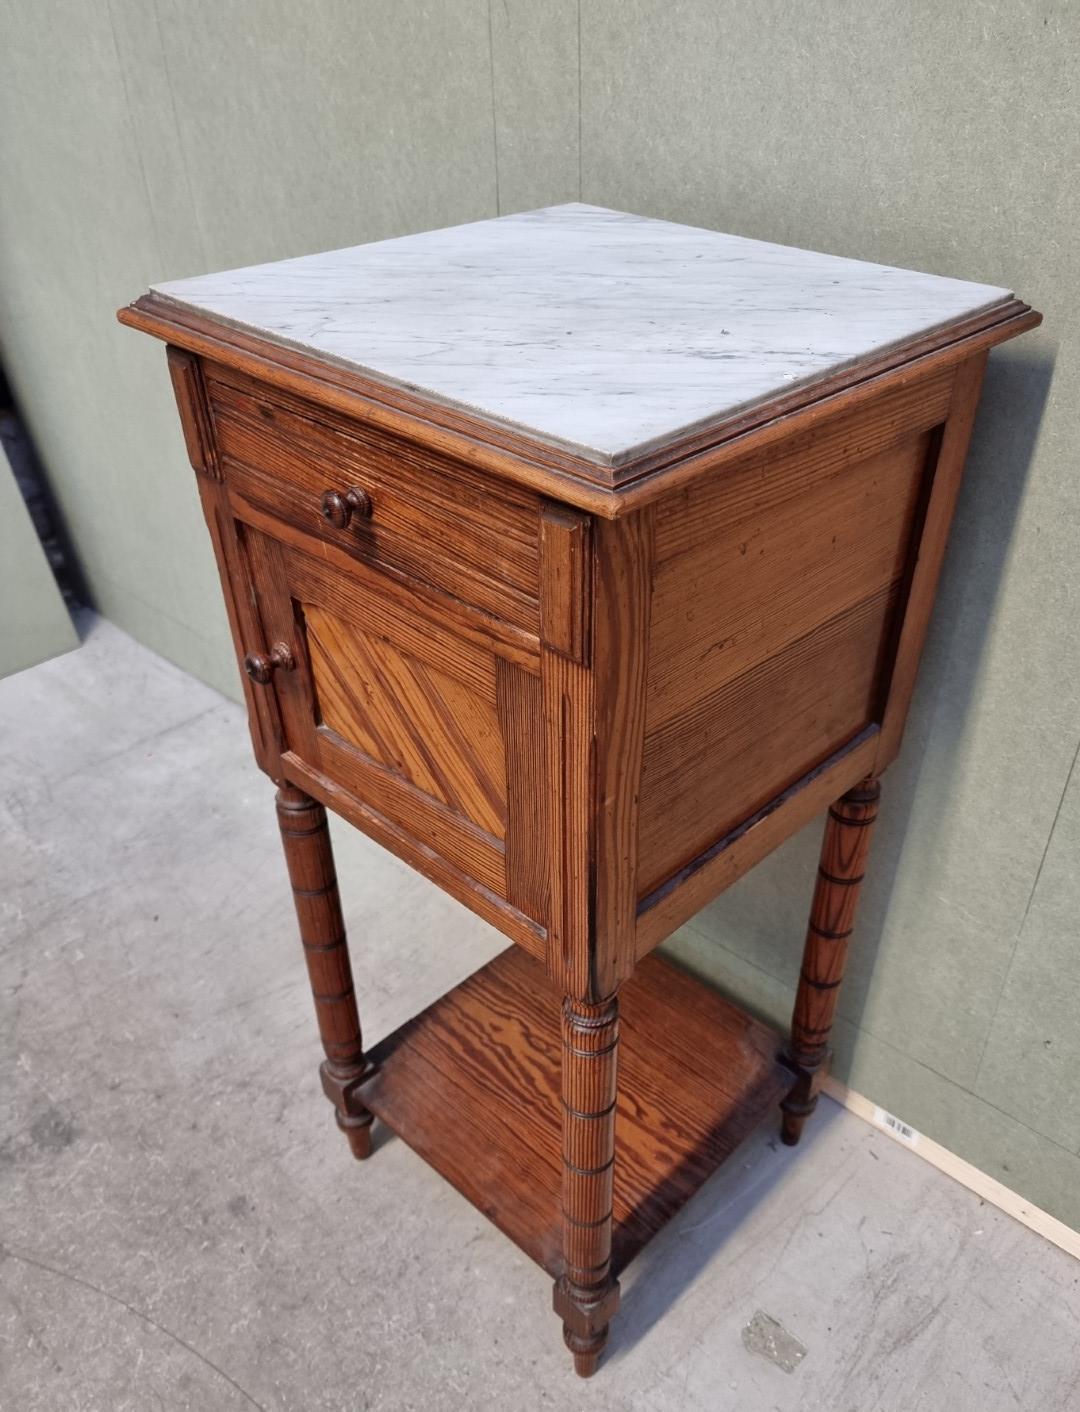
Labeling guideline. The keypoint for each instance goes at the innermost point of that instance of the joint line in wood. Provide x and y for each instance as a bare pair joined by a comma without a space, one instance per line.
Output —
591,1053
323,946
590,1117
830,935
334,999
850,823
588,1171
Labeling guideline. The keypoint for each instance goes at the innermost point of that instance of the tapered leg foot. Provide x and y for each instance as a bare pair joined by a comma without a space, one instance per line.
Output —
791,1126
832,920
586,1364
586,1358
358,1133
586,1316
310,860
586,1297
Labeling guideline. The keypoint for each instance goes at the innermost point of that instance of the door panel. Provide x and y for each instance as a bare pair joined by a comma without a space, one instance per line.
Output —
427,727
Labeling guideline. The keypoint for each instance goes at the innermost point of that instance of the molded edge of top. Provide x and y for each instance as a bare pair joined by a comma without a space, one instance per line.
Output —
609,490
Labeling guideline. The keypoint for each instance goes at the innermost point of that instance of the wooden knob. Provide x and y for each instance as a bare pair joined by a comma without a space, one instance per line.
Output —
339,509
261,668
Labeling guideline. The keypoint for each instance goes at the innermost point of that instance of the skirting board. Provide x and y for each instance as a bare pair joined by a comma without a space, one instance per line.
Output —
1041,1222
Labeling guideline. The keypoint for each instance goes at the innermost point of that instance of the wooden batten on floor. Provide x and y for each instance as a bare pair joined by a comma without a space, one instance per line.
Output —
976,1180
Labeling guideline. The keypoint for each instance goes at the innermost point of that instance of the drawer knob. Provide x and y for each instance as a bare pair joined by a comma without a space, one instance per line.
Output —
261,668
339,509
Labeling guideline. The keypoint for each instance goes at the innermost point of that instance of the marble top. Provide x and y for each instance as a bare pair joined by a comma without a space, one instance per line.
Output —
605,333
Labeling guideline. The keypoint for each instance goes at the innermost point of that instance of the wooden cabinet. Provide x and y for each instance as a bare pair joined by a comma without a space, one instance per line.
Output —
580,560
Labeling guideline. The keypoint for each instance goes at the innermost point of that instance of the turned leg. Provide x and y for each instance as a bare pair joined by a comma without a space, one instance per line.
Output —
586,1296
310,861
832,920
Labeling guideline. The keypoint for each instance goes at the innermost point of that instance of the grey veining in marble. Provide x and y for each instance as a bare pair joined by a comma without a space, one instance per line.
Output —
602,332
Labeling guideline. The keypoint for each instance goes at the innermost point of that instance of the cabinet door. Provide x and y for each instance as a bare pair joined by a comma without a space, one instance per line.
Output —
419,728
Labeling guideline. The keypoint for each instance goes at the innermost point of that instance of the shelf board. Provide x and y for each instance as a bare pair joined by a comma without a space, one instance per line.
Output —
472,1085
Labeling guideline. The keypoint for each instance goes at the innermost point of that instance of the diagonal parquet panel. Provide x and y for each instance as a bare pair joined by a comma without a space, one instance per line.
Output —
414,719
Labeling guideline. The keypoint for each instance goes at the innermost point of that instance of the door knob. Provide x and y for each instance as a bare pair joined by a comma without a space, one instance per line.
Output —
261,667
339,509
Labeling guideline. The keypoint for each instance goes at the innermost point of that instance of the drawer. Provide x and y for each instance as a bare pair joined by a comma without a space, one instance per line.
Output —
420,516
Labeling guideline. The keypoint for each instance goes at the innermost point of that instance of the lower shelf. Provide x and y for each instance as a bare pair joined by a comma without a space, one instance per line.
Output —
472,1085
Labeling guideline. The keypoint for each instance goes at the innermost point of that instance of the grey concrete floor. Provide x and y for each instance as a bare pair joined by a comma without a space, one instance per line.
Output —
182,1226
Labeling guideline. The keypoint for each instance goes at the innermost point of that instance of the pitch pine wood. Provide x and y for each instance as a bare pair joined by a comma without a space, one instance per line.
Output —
768,630
423,856
429,518
474,1085
929,554
310,860
736,852
844,852
583,700
566,597
411,718
752,738
594,735
585,1294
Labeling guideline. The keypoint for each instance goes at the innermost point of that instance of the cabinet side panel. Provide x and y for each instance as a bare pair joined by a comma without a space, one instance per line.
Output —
774,619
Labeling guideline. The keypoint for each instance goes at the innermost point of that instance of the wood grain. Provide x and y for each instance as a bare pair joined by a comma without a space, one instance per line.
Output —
422,816
621,607
264,722
520,706
431,519
748,742
410,717
586,1296
715,869
764,578
310,861
565,588
844,852
353,582
488,903
929,555
594,722
474,1085
378,611
192,402
757,482
568,762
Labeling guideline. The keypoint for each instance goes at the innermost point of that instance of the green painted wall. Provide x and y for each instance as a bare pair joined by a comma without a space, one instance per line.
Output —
145,140
34,623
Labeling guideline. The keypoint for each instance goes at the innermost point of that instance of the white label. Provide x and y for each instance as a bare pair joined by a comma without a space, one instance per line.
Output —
893,1124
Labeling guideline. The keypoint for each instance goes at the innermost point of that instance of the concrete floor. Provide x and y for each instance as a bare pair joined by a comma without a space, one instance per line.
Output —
182,1226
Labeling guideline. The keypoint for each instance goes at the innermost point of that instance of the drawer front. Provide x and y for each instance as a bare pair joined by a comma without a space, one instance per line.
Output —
422,723
433,521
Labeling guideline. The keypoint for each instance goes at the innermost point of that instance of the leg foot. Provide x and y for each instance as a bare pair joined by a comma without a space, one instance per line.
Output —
358,1133
586,1359
791,1123
832,920
310,860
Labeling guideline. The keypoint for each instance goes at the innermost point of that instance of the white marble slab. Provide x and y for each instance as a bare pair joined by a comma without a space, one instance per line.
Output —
606,333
